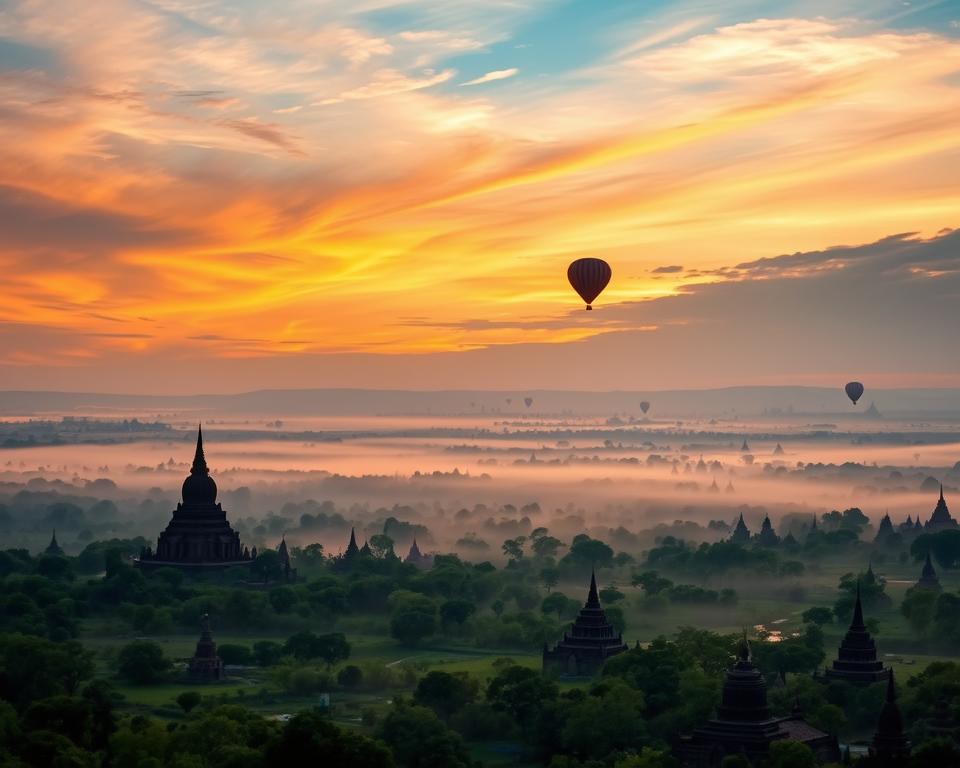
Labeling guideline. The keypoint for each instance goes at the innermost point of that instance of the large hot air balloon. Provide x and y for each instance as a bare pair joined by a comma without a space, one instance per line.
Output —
589,277
854,391
644,406
528,401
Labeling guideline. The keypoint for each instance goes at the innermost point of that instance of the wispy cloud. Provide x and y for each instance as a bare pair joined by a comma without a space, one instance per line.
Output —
499,74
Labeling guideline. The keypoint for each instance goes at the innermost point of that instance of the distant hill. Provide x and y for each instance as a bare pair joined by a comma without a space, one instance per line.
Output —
820,403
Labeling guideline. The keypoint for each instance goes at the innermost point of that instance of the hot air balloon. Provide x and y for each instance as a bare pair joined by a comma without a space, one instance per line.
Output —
528,401
644,406
854,391
509,400
589,277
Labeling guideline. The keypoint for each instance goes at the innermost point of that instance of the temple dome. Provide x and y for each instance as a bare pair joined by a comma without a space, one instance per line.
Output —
199,487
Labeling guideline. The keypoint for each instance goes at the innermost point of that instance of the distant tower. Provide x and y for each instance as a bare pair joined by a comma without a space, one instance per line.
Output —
416,558
205,666
589,643
813,531
890,746
928,577
885,530
857,658
778,451
940,519
767,536
745,448
53,548
741,534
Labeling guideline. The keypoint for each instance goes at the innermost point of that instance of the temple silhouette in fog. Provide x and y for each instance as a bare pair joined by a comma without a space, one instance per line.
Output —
941,519
199,536
589,643
856,660
744,724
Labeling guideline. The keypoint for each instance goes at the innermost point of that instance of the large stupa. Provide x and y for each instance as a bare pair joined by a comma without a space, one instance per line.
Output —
198,538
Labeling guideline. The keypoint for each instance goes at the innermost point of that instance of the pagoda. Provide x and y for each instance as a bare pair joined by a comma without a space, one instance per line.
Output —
589,643
350,556
53,548
907,526
890,746
205,666
813,531
745,448
741,534
198,538
767,536
778,451
857,658
416,558
745,726
940,520
928,577
885,530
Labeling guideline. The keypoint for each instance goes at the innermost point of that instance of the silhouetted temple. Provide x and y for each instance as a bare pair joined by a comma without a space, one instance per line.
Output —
767,536
778,451
205,666
741,534
589,643
940,520
417,558
53,548
885,530
857,659
907,525
350,556
199,536
890,746
928,577
745,448
745,726
813,531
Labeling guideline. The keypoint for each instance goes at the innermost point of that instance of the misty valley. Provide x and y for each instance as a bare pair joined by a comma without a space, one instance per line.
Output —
515,587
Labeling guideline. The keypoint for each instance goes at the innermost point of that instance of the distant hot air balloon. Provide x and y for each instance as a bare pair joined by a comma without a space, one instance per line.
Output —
528,401
589,277
854,391
644,406
509,400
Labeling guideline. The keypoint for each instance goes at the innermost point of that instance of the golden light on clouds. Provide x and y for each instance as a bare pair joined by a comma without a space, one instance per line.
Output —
311,182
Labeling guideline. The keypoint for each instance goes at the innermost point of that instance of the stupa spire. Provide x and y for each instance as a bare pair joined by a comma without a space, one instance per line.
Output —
857,622
199,460
593,597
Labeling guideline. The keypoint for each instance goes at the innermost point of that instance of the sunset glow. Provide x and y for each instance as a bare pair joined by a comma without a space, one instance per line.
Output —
202,182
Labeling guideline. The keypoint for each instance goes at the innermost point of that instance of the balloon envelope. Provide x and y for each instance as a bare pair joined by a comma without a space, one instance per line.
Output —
644,406
589,277
854,391
528,401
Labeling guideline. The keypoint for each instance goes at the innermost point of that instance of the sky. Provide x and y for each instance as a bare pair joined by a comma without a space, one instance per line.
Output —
211,196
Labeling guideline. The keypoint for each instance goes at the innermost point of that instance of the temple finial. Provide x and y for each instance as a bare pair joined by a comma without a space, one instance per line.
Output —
199,461
891,689
593,598
941,491
857,611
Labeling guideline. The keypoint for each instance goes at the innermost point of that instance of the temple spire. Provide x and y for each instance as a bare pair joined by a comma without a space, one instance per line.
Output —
593,598
857,622
199,461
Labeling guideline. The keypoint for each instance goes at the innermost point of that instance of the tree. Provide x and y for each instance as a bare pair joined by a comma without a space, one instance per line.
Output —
419,739
586,553
350,676
610,595
232,653
648,758
560,604
410,625
791,754
267,565
817,615
546,546
522,693
497,606
513,548
651,582
381,546
311,739
189,700
35,668
919,607
266,653
943,546
142,662
550,577
332,648
456,612
282,599
445,693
